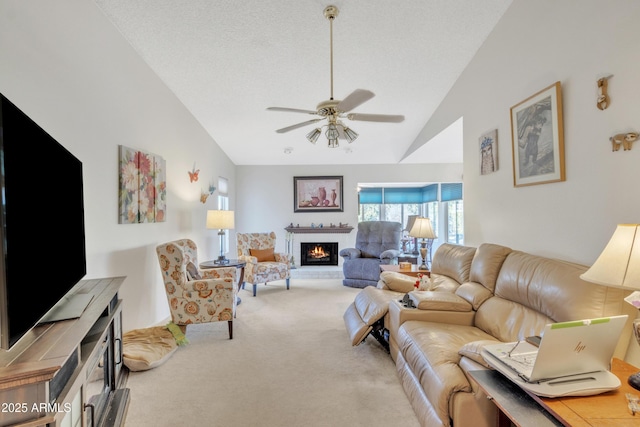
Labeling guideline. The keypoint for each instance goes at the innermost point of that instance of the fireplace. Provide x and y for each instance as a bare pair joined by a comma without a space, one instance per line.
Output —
319,253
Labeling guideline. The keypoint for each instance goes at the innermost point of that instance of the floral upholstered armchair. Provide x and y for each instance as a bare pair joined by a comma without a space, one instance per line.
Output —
194,295
263,264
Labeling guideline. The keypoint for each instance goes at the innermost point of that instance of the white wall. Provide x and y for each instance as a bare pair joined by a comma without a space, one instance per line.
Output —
71,71
534,45
265,193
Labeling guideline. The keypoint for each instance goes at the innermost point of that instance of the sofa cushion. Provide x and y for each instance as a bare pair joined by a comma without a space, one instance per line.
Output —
431,351
453,261
396,281
474,293
486,264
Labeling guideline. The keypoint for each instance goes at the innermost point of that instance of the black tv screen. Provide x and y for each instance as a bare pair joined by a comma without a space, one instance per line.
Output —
42,230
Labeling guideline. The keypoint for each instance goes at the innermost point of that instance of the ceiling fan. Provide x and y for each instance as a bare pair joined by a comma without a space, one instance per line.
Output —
335,110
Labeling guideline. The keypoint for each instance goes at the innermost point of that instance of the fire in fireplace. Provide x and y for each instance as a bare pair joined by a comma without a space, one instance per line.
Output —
319,253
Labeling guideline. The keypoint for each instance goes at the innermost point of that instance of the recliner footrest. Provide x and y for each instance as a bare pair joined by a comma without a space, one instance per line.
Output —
357,329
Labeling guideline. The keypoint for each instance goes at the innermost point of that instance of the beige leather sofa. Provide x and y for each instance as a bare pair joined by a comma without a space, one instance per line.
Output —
507,295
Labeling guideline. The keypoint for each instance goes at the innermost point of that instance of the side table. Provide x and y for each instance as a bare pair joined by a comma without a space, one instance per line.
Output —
238,264
524,409
414,271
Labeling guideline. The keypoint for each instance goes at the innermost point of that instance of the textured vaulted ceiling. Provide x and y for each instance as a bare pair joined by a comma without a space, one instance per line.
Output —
227,61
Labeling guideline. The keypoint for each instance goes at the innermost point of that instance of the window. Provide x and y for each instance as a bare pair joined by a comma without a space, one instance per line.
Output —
451,195
433,201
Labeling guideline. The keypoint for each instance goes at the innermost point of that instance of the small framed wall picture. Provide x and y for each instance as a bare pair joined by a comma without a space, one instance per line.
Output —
489,152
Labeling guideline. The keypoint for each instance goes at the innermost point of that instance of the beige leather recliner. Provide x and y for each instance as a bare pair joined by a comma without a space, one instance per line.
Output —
368,313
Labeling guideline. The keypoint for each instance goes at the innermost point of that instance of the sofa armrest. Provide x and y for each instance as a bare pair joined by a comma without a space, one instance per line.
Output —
200,290
390,254
283,258
350,253
248,259
219,273
443,301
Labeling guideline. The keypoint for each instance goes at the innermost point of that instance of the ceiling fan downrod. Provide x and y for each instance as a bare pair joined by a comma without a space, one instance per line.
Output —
331,12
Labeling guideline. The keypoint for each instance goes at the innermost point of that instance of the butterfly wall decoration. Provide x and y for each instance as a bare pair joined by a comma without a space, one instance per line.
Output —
193,174
205,195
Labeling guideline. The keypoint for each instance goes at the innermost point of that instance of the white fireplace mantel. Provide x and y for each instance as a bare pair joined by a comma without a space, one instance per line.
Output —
314,230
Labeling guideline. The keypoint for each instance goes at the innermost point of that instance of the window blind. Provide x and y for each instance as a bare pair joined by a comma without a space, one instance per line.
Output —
430,193
370,195
451,192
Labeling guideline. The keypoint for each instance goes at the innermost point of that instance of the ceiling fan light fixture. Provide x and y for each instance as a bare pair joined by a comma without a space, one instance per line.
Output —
349,134
334,109
314,135
332,135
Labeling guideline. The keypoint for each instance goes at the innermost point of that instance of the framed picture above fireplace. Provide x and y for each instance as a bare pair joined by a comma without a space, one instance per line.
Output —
317,194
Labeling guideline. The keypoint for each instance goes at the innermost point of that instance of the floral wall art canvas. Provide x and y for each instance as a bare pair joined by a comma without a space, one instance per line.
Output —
142,192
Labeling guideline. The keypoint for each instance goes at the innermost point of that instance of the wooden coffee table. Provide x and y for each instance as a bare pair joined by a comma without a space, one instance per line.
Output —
414,271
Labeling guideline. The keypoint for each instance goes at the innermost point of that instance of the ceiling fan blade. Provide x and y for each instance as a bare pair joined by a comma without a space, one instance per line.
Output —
376,118
296,126
292,110
354,99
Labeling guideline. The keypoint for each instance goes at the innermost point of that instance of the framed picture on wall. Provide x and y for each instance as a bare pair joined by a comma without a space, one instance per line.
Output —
537,138
317,194
489,152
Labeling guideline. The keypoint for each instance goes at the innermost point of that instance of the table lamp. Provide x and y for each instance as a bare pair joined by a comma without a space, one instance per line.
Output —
422,229
220,220
618,266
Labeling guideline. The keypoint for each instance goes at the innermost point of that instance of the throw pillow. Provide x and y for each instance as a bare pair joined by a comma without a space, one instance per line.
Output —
192,272
263,255
398,282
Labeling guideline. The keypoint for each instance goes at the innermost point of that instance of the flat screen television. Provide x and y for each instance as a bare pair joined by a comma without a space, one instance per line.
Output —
42,232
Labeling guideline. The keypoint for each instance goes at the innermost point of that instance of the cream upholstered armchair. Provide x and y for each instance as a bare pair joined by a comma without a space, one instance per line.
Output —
263,264
194,295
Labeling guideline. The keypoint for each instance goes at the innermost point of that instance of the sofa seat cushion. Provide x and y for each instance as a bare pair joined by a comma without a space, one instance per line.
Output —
431,352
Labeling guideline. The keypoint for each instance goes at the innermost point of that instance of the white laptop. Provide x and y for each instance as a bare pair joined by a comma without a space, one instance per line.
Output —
573,358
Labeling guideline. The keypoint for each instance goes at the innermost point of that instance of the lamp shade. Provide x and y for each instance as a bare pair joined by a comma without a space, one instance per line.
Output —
221,220
422,228
619,263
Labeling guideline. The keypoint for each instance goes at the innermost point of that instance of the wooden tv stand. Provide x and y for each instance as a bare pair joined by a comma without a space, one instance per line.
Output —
69,373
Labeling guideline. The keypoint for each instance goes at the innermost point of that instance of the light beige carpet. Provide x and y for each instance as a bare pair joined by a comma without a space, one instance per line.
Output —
290,363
